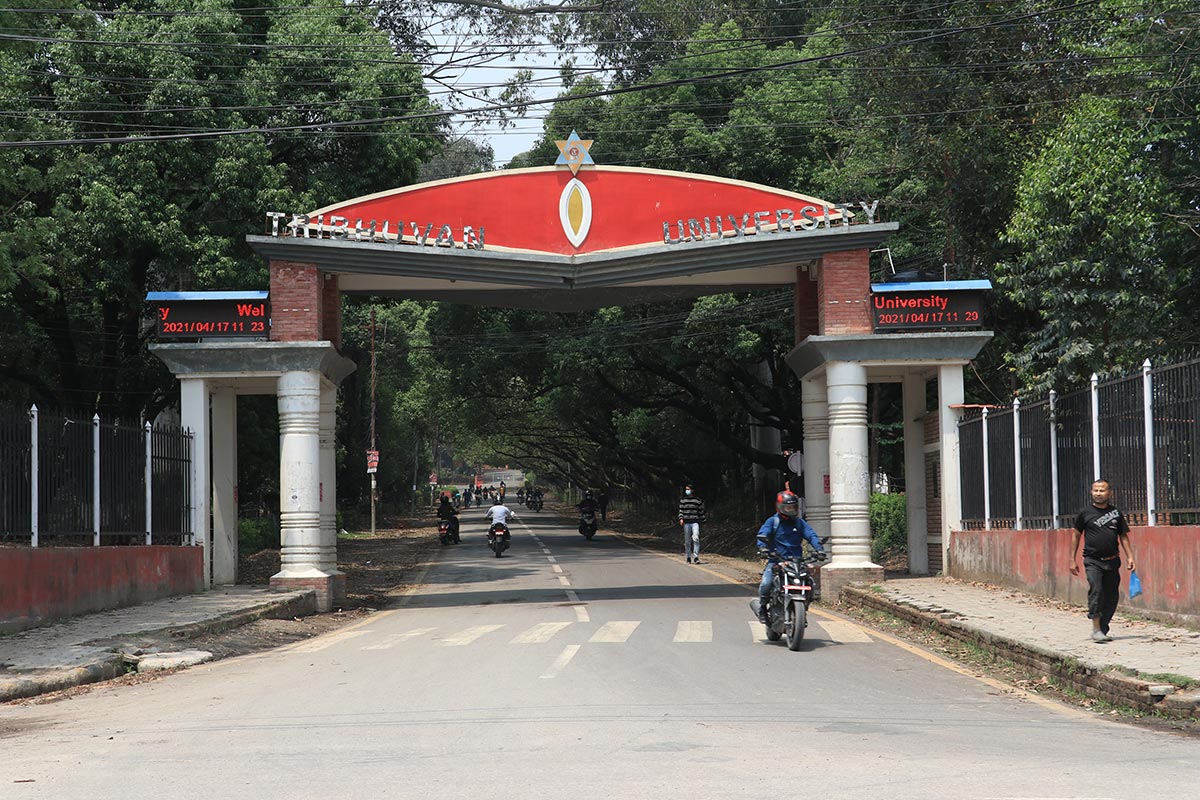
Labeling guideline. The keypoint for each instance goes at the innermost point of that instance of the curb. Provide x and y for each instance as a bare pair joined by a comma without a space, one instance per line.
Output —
1101,681
296,604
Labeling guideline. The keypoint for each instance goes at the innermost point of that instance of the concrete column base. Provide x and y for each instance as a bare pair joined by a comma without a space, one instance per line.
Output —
834,577
324,585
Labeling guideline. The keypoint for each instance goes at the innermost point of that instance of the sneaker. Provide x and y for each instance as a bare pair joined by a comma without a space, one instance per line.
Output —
1099,636
1104,629
695,560
689,559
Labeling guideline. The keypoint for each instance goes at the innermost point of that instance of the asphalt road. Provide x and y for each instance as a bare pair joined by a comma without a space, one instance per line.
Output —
574,668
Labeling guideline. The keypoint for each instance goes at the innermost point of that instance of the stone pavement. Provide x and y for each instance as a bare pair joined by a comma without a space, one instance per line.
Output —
93,647
1142,667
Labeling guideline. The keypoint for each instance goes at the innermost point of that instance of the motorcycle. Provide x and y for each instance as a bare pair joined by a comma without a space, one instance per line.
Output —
534,503
448,532
498,538
587,524
792,590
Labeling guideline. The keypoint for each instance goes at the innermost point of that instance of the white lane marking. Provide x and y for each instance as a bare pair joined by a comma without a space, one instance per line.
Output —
563,659
550,558
757,631
693,631
581,614
563,581
546,550
540,633
322,642
397,638
556,568
614,632
572,596
469,635
843,632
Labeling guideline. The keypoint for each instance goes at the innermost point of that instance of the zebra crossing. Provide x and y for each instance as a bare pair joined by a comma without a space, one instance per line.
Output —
612,632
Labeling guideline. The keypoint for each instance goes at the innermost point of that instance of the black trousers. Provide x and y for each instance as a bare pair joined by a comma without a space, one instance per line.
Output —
1104,588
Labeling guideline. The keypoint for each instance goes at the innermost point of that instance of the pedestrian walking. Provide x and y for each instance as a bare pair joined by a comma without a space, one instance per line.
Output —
1105,534
691,514
602,504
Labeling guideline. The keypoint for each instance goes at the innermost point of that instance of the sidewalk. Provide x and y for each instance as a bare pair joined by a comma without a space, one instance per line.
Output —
97,647
1141,667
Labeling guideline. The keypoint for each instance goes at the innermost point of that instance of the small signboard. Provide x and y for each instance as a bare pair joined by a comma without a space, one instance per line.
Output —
372,461
433,479
929,305
194,315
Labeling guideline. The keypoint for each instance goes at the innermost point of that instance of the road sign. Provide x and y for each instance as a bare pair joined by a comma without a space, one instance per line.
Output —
433,481
795,462
372,461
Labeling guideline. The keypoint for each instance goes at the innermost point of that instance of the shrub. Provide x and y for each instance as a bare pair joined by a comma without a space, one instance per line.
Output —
889,525
257,534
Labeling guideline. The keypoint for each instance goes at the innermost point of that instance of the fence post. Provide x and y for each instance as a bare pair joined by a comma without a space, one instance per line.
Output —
149,480
1017,458
1095,427
33,476
1148,414
1054,458
987,485
96,480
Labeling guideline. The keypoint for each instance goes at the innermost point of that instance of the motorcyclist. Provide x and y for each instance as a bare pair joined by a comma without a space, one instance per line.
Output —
448,512
498,513
588,504
781,538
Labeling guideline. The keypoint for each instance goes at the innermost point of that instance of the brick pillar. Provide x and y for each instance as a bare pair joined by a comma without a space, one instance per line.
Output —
296,307
844,293
331,309
807,316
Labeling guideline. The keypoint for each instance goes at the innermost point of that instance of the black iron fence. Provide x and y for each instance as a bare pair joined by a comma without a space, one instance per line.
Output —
1030,465
69,480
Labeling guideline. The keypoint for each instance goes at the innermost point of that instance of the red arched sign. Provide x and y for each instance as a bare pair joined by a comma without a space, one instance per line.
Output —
549,210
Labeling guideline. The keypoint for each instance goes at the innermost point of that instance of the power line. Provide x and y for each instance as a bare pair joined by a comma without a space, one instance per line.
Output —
724,75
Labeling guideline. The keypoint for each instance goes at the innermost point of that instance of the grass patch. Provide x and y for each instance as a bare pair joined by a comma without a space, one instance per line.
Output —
1181,681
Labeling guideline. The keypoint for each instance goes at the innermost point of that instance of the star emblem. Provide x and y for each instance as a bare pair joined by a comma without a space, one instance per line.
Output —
574,152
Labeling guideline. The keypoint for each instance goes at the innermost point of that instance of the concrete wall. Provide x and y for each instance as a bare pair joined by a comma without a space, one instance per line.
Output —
1168,562
41,585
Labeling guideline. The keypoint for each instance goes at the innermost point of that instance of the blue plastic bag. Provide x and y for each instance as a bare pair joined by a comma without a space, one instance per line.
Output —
1135,584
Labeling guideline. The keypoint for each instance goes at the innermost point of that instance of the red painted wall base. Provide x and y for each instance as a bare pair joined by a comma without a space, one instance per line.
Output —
1168,562
42,585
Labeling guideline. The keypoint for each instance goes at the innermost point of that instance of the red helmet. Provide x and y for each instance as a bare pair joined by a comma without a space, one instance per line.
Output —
787,504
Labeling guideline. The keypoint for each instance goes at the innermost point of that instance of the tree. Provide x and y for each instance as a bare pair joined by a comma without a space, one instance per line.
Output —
96,221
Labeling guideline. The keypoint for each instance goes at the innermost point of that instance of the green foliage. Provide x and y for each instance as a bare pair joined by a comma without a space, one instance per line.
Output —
255,534
889,525
90,227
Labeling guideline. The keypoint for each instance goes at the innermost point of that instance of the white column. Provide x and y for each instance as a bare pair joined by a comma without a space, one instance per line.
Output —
1148,424
193,413
328,469
814,405
849,478
914,473
950,393
299,396
224,486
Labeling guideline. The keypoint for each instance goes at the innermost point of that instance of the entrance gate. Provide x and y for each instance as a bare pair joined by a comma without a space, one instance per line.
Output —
587,237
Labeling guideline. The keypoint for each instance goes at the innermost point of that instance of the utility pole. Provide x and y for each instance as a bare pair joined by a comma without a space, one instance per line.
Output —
373,481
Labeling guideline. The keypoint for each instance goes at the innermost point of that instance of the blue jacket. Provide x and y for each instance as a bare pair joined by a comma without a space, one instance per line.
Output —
787,536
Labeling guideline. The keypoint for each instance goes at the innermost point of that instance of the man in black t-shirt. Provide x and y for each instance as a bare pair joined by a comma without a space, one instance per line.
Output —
1105,534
